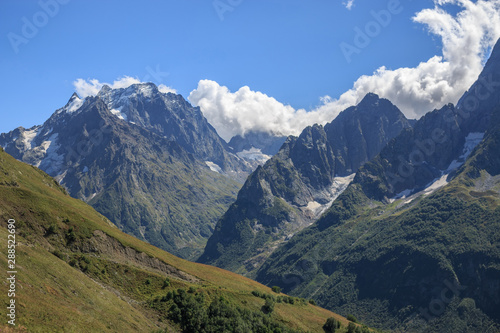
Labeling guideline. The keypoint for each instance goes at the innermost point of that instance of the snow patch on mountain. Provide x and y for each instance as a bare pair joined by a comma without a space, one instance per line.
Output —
52,162
119,100
29,136
214,167
146,90
119,113
74,105
338,186
253,154
471,142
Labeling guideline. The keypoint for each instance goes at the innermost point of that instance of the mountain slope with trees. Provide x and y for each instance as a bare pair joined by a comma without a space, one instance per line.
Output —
413,244
297,184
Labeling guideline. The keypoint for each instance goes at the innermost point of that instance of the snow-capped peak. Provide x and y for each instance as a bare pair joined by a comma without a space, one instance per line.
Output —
118,99
74,103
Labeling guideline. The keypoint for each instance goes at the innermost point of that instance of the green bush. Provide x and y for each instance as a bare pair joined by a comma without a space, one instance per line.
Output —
276,289
331,325
268,306
51,230
350,317
194,314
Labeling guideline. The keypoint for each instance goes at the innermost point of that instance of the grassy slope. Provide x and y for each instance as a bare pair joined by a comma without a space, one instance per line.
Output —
112,295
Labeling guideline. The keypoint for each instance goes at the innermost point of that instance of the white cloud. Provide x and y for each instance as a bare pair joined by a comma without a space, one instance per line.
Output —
467,38
91,87
165,89
348,4
244,110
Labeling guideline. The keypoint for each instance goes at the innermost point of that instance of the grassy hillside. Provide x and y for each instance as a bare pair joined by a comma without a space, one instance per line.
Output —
77,271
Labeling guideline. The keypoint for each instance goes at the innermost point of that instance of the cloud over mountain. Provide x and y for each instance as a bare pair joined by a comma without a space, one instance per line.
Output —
467,39
91,87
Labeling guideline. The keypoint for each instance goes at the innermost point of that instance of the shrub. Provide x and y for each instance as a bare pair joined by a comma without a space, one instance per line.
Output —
350,317
268,306
276,289
312,302
331,325
52,229
351,328
58,254
71,236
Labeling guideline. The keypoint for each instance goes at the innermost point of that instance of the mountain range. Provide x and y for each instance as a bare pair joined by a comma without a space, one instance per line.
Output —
148,161
412,244
373,215
75,271
299,183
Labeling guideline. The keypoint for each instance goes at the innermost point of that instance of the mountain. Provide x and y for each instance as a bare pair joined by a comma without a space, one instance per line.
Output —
412,244
256,147
171,116
299,183
77,272
156,188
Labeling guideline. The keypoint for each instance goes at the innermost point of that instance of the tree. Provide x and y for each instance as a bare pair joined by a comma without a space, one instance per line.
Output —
268,306
351,328
331,325
276,289
350,317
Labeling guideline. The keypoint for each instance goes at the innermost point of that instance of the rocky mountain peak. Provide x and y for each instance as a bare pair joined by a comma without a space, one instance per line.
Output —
299,183
73,97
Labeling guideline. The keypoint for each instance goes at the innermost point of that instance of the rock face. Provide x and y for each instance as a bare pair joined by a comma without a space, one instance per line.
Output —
417,226
359,133
118,151
297,184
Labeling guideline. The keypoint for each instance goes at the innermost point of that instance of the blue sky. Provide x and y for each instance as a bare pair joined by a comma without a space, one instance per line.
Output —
287,52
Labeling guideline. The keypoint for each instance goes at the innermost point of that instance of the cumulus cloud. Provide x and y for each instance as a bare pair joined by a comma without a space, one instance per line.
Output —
348,4
91,87
467,39
246,110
